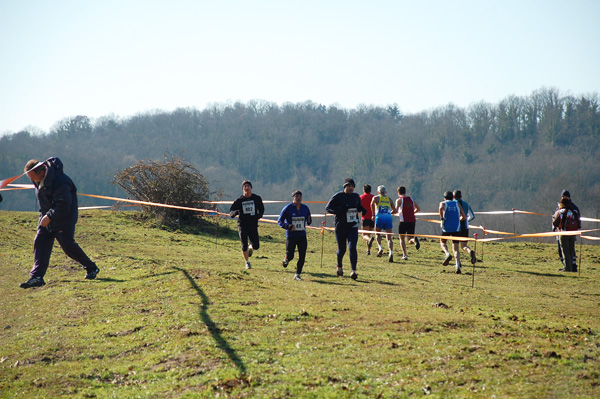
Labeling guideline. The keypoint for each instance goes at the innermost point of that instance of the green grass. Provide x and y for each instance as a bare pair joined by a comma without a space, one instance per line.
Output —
173,314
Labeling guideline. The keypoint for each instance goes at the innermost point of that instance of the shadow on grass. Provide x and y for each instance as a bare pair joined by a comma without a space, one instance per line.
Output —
415,277
550,274
214,330
103,279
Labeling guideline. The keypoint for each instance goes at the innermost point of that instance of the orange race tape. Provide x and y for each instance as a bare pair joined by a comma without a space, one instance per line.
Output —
213,212
6,182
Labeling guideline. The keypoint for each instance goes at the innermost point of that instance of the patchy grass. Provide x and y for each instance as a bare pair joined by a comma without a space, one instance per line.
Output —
173,314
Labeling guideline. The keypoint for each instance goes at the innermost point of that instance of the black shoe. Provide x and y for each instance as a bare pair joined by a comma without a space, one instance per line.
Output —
285,262
417,243
473,257
340,272
353,275
33,282
250,250
370,243
92,273
447,260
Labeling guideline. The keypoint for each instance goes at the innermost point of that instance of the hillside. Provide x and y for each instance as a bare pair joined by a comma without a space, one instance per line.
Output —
173,314
520,153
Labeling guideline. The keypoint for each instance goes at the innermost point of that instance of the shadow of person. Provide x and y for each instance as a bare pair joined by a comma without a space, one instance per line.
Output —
212,327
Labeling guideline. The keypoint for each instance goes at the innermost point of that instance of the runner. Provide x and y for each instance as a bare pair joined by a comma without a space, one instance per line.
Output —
367,220
383,208
294,218
464,224
407,208
345,205
451,214
249,208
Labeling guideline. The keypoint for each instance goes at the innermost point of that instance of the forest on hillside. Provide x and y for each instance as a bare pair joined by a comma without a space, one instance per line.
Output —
519,153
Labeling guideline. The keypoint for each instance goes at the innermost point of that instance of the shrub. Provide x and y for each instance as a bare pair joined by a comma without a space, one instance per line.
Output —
172,182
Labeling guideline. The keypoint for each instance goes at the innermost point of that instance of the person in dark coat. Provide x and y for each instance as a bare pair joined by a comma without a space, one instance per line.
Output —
57,198
346,206
249,209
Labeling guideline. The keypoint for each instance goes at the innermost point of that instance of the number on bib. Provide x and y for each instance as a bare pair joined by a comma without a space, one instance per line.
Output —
352,215
298,223
248,208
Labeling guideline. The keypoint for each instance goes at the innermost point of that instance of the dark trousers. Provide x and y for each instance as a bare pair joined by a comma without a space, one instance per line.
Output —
42,249
351,236
568,247
248,232
290,246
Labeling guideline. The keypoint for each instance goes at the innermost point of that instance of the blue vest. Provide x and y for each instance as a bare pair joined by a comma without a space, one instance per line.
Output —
451,222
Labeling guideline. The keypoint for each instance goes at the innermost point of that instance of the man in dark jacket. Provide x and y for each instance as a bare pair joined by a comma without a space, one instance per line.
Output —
346,205
249,208
574,208
57,197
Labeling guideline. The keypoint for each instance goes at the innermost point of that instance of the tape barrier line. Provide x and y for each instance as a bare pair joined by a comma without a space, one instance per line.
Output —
584,219
6,182
185,208
15,188
323,228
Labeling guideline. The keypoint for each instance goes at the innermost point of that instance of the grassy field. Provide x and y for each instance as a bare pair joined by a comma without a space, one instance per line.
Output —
173,314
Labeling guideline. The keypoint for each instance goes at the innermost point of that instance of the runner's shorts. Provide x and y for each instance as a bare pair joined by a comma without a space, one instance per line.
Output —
384,222
368,223
406,228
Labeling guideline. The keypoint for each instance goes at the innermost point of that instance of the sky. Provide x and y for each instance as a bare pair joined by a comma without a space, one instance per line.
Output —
120,58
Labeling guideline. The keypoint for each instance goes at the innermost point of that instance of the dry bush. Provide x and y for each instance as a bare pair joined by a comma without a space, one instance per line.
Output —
171,182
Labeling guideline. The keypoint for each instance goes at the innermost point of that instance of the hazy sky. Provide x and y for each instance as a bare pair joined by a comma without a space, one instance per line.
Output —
64,58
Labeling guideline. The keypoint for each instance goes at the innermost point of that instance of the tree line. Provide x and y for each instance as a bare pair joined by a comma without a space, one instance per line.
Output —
519,153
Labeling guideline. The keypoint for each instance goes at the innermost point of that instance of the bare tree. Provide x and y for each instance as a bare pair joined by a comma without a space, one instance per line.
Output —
171,182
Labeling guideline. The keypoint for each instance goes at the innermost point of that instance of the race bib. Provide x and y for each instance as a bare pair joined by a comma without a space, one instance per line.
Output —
298,223
248,208
352,215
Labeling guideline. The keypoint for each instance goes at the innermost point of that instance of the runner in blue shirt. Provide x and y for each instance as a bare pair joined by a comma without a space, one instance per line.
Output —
464,224
451,214
294,218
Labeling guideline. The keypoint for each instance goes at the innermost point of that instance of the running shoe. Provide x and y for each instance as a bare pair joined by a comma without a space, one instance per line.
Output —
340,272
248,265
298,278
417,243
353,275
447,260
33,282
391,258
380,253
370,242
285,262
404,257
473,257
250,251
92,273
457,270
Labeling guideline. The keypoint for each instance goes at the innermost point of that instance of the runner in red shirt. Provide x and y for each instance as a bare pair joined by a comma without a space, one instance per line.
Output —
407,208
367,219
